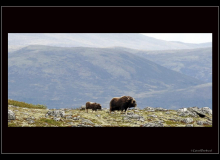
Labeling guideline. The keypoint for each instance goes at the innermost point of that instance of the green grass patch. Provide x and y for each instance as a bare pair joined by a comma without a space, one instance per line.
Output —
26,105
170,122
207,125
50,122
12,124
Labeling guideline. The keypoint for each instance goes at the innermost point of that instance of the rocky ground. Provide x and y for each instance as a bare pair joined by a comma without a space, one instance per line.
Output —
147,117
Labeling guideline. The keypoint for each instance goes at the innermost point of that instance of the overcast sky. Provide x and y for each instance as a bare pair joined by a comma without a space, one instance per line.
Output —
183,37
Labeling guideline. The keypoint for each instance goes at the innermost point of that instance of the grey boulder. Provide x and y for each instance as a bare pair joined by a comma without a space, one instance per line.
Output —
150,124
187,120
150,109
206,110
56,113
11,115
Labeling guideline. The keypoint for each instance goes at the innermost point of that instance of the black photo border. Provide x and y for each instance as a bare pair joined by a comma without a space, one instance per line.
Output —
108,19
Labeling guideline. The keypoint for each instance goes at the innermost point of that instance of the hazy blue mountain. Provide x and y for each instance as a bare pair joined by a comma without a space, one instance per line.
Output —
62,77
103,40
196,63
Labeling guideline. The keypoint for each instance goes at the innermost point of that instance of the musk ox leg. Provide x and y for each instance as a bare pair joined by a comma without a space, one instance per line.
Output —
126,111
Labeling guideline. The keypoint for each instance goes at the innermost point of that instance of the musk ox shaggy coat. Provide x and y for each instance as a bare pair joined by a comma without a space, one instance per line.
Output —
122,103
93,106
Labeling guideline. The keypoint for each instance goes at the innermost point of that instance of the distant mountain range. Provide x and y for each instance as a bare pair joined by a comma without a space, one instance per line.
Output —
196,63
61,77
103,40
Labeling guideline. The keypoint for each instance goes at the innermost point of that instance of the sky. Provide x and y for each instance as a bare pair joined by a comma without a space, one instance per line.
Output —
183,37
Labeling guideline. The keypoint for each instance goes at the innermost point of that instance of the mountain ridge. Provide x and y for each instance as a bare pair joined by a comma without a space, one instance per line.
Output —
62,76
100,40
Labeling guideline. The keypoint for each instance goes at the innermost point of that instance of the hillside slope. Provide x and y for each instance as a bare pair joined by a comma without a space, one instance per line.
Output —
69,77
196,63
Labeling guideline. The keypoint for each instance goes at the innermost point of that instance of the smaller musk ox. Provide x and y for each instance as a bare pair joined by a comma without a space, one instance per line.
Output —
93,106
83,107
122,103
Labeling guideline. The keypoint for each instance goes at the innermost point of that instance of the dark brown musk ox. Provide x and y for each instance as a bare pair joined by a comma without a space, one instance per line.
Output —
93,105
122,103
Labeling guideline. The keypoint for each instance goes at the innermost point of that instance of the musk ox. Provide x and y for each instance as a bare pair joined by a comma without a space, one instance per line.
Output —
93,106
122,103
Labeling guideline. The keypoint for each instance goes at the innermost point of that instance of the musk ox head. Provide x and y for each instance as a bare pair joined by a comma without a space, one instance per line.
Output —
131,102
98,106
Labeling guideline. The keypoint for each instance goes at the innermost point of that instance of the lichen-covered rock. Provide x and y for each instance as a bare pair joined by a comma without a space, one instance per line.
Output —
151,124
204,123
189,125
187,120
68,117
11,115
188,113
56,119
97,125
160,109
206,110
31,121
182,110
193,108
150,109
86,121
152,115
75,118
130,113
30,118
56,113
83,125
134,116
197,111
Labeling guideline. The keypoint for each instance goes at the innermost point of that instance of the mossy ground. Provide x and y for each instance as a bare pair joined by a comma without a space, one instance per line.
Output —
101,118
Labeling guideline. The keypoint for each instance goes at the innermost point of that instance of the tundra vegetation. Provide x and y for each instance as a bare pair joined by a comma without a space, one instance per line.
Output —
28,115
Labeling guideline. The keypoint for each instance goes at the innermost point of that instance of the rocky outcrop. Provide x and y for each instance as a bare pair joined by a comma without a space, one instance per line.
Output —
206,110
200,111
194,111
187,113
